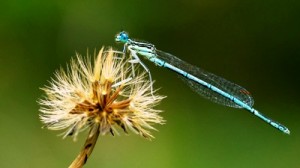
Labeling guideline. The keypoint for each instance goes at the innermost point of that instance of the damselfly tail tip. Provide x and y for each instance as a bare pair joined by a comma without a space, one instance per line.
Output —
284,129
280,127
287,131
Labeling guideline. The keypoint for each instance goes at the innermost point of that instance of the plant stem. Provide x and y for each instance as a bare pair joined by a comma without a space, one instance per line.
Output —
87,149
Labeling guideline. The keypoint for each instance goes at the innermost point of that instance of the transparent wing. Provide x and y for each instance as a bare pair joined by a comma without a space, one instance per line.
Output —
221,83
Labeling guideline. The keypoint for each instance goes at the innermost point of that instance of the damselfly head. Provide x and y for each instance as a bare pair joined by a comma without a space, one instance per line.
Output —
122,37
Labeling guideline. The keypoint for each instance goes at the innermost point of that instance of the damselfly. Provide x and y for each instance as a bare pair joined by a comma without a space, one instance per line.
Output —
210,86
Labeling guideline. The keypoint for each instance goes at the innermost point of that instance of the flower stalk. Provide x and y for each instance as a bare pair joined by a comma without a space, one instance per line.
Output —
86,151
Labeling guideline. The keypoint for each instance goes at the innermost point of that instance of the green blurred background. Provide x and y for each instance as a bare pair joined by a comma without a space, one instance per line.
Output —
252,43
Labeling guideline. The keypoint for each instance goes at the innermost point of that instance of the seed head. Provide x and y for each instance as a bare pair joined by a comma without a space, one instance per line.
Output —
100,96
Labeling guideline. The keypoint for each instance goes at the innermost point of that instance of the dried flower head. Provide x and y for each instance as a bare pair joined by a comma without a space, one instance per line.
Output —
105,94
100,96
